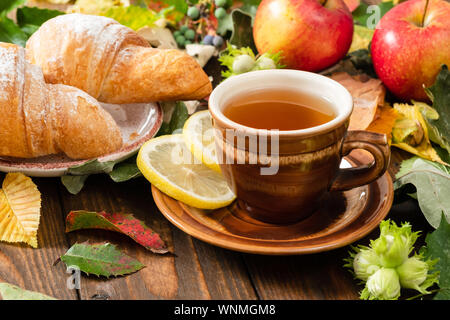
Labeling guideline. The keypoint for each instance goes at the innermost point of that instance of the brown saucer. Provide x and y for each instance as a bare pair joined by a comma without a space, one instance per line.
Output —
344,218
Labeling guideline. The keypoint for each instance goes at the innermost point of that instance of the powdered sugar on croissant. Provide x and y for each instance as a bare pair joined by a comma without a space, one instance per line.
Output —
112,62
40,119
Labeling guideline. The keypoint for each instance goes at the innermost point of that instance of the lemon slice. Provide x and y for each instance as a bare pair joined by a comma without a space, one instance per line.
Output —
198,134
169,165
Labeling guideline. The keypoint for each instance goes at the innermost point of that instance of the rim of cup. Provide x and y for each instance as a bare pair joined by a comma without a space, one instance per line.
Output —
305,82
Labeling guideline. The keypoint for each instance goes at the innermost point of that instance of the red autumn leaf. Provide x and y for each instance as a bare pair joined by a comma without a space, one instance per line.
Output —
124,223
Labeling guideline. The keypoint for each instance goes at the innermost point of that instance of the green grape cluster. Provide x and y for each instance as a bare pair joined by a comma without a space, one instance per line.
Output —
184,36
220,11
198,14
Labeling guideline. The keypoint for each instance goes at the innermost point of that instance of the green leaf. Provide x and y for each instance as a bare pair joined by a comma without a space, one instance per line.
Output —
438,246
365,15
442,153
179,116
432,182
242,35
12,292
102,259
35,16
8,5
119,222
125,171
10,32
29,29
439,93
91,167
28,18
74,184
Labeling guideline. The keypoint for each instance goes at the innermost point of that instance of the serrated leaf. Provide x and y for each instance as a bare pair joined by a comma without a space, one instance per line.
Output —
123,223
20,210
439,93
432,182
12,292
101,259
438,246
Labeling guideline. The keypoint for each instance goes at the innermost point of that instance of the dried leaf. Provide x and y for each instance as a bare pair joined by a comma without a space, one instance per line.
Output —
368,94
12,292
384,121
119,222
401,132
20,210
101,259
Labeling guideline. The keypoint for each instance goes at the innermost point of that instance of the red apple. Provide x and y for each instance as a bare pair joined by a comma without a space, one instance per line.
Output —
312,34
409,46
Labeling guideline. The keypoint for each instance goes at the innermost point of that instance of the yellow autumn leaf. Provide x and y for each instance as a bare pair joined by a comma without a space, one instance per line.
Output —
20,209
362,37
96,7
410,132
384,121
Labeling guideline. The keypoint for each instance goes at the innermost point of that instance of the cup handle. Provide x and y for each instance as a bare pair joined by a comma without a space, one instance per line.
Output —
377,145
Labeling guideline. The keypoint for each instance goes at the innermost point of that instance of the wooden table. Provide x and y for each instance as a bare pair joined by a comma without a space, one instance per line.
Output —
196,270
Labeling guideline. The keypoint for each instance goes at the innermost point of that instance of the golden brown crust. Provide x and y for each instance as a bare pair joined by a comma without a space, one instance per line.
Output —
39,119
85,130
113,63
159,75
13,139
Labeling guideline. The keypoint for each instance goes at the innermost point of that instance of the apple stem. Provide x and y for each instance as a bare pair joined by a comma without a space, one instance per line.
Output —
425,12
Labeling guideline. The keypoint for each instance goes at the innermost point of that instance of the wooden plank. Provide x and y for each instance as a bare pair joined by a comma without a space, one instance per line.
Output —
33,269
225,272
179,276
308,277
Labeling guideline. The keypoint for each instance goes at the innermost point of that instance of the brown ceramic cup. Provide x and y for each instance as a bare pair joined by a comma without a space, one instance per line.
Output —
287,181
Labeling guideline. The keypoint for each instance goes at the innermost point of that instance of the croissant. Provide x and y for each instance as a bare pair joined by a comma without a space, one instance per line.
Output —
38,119
113,63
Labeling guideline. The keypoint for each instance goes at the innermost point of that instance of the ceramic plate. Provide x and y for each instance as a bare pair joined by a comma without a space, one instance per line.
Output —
138,123
344,218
